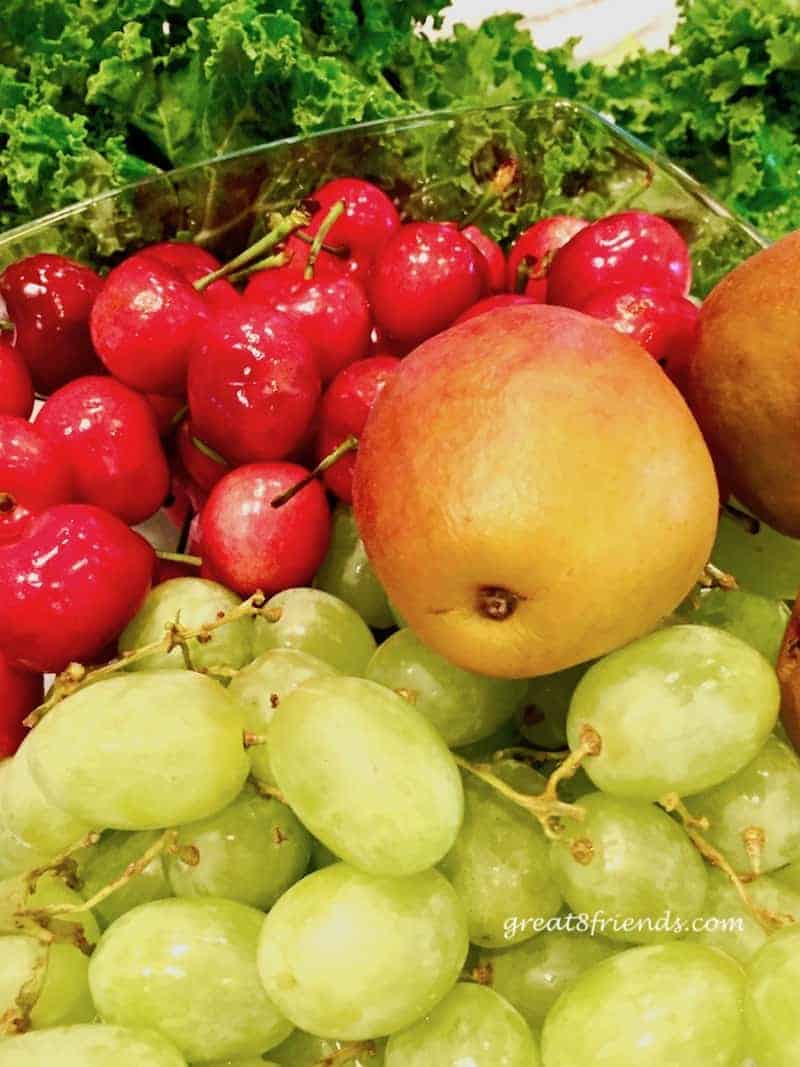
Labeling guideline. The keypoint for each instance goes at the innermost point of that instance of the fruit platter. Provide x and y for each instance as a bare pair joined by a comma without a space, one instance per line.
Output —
398,657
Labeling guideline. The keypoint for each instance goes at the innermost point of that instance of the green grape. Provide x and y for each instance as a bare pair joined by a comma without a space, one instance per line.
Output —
678,1004
259,689
251,1061
678,711
355,957
520,776
760,803
15,856
767,562
346,572
483,751
321,855
305,1050
192,602
533,974
89,1046
141,751
29,815
630,863
500,868
251,851
108,860
730,925
464,707
759,621
319,624
187,968
543,720
472,1025
772,1019
399,621
367,774
789,875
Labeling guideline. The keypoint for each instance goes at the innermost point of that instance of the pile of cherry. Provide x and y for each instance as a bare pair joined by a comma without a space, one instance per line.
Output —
212,390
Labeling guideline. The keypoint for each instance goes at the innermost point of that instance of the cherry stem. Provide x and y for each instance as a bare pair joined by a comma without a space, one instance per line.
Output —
714,578
504,178
335,212
350,444
335,250
279,259
180,557
749,523
208,451
347,1054
280,231
179,416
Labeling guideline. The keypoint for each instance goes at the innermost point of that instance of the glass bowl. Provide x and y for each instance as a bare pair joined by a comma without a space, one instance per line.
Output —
568,159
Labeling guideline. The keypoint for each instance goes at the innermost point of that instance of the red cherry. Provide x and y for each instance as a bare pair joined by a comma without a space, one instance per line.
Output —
200,463
145,323
165,409
194,263
344,410
253,384
425,275
633,249
663,322
49,299
109,436
167,569
334,316
489,303
34,475
21,692
381,345
16,387
368,220
70,586
247,544
535,248
493,254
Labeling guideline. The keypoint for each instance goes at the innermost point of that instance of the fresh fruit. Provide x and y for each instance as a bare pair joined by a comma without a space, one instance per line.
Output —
16,387
495,260
203,465
346,573
194,263
89,1046
34,475
21,692
526,563
764,561
772,978
301,1049
109,860
532,254
758,620
368,220
167,409
490,303
543,721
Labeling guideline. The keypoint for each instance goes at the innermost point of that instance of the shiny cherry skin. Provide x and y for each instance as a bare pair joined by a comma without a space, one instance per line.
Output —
70,586
20,693
423,277
491,303
534,250
109,436
247,544
253,384
203,466
344,410
492,254
334,316
145,324
34,475
663,322
166,410
368,220
16,387
633,248
195,263
49,299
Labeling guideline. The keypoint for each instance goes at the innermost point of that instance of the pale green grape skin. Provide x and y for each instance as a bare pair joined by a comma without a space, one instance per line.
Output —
367,775
303,1050
89,1046
678,711
763,796
472,1025
678,1004
259,689
758,620
350,956
251,851
773,1022
15,856
251,1061
520,776
630,861
543,720
321,855
319,624
789,876
533,974
192,602
142,751
346,572
464,707
187,969
767,562
499,866
106,861
484,751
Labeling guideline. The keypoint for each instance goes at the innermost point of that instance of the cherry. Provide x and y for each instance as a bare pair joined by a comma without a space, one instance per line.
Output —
492,254
165,409
662,321
253,384
344,410
424,276
490,303
109,436
167,569
16,387
368,220
22,691
534,250
194,263
334,316
145,323
70,586
202,464
633,248
49,299
34,475
248,544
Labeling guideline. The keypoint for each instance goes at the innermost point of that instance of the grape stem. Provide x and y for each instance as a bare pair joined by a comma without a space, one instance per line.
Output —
530,755
76,676
350,444
17,1019
254,740
63,865
282,227
714,578
266,790
347,1054
754,840
336,211
590,745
